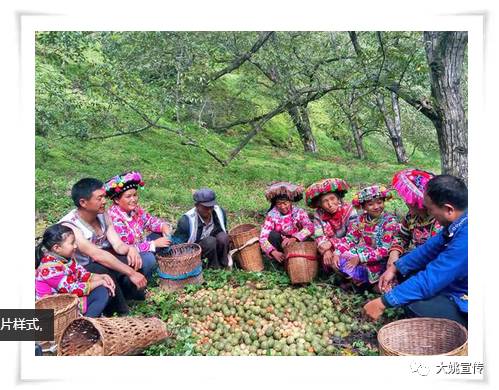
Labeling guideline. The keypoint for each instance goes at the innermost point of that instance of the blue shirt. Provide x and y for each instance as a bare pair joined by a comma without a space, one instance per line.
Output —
442,262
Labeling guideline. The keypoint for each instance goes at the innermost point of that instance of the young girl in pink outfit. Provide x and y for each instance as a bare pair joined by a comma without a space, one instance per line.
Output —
57,272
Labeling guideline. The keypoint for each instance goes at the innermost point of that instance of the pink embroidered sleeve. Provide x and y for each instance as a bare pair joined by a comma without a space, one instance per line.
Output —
368,254
63,283
151,223
402,238
307,226
267,227
319,236
126,235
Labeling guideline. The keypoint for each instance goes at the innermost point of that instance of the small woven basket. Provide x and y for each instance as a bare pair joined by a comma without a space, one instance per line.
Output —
65,310
182,266
423,336
301,261
110,336
249,258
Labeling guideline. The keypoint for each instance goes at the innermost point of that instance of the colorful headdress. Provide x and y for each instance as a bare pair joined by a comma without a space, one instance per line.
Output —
370,193
411,184
293,192
325,186
119,184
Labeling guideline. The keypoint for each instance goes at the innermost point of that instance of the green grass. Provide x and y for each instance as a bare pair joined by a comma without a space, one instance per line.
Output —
172,171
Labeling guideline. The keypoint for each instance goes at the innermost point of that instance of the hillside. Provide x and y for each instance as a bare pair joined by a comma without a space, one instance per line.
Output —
172,170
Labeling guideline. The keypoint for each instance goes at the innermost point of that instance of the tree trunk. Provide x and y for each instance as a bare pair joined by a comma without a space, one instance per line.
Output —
299,115
393,126
357,138
445,51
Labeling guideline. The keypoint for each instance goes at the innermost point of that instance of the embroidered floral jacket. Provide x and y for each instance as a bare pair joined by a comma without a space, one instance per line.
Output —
295,224
414,231
370,239
132,227
329,229
57,275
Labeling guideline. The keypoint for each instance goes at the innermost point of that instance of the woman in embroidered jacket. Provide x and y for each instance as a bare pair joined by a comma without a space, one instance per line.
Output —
418,225
285,223
363,252
58,272
132,222
332,216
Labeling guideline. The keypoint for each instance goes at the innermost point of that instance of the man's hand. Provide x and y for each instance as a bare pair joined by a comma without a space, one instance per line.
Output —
287,241
374,309
134,259
387,279
279,256
139,280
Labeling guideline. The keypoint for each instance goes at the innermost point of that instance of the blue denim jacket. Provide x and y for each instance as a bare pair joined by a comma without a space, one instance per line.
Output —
442,263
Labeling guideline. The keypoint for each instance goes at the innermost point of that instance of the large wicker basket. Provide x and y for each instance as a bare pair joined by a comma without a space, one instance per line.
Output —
301,261
182,266
110,336
423,336
250,257
65,310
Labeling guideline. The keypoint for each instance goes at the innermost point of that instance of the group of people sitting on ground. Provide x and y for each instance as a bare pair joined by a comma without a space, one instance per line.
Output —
107,258
420,262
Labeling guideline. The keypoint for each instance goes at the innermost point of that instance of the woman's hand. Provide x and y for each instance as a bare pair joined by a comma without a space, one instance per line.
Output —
393,257
279,256
352,262
328,258
287,241
162,242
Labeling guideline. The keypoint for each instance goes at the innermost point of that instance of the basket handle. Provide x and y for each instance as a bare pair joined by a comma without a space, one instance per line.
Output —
251,241
308,257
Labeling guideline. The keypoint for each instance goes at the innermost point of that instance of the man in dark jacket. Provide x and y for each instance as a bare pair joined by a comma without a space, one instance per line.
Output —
437,271
206,225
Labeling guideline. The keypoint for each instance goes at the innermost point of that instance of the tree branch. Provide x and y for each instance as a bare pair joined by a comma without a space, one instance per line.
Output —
236,63
150,123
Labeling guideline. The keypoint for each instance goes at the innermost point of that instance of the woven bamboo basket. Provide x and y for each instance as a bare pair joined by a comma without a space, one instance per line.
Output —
110,336
423,336
65,310
301,261
249,258
182,265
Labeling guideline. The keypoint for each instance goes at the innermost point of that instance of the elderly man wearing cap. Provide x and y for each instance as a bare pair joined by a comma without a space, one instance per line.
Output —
206,224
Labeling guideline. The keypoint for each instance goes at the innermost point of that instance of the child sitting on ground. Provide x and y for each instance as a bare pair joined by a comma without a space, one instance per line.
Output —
285,223
58,272
362,253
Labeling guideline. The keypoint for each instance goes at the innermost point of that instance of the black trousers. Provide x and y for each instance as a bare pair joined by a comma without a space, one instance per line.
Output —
275,239
116,304
215,248
440,306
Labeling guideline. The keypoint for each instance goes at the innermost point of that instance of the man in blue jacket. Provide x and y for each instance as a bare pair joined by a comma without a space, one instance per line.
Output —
436,272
